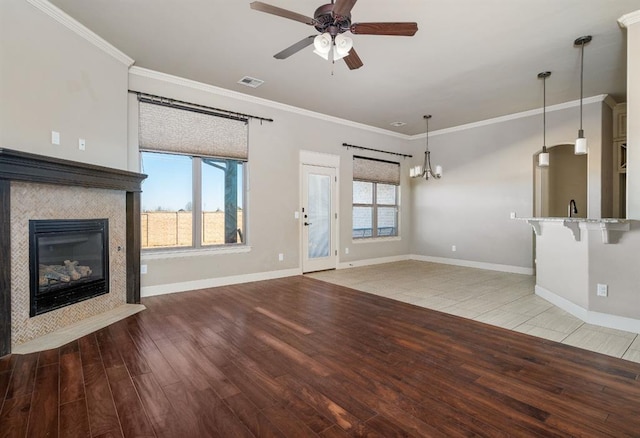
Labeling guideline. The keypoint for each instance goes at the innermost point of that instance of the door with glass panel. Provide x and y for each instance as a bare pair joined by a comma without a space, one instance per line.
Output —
318,218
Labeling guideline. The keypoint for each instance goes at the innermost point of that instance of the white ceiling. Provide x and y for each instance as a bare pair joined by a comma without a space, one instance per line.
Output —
470,60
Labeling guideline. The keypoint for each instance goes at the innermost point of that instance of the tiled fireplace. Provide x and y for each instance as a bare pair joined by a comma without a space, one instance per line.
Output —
49,195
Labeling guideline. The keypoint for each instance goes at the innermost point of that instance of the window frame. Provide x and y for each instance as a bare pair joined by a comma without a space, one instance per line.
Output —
374,211
197,210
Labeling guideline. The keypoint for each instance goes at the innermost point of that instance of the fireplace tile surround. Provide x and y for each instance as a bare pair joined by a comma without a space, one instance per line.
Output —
38,187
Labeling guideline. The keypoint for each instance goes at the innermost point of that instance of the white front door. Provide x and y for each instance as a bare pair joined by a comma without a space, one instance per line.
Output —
318,218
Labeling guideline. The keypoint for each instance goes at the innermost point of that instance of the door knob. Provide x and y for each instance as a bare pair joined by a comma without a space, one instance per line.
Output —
307,224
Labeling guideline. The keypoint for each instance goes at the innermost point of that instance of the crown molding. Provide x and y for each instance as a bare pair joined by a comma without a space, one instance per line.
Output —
176,80
629,19
63,18
561,106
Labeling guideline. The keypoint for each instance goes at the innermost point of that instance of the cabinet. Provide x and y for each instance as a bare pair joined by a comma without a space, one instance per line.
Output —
620,160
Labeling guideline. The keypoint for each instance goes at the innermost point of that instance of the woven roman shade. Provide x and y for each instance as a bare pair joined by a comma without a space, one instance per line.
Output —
379,171
167,129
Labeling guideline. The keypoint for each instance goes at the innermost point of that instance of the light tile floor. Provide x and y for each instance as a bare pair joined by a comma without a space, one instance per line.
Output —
497,298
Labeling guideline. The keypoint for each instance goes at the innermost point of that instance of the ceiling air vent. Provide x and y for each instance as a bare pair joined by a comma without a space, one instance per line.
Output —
251,82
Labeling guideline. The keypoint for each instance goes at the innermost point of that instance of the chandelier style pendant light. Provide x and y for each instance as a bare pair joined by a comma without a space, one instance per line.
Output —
543,157
581,142
425,170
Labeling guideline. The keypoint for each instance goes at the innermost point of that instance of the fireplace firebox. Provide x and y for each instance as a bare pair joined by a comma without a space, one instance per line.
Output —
69,262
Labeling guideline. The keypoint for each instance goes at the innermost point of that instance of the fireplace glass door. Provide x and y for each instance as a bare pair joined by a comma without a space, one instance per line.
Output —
69,262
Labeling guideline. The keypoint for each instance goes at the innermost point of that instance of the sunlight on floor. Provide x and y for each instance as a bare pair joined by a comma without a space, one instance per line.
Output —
497,298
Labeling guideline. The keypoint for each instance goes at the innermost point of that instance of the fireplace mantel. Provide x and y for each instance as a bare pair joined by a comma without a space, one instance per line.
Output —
27,167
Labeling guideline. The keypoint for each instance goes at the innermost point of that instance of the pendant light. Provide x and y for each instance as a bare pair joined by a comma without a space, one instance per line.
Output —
581,142
425,170
543,157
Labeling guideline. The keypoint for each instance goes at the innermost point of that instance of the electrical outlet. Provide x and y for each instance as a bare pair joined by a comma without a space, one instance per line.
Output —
603,290
281,257
346,250
55,137
143,269
81,144
513,215
453,248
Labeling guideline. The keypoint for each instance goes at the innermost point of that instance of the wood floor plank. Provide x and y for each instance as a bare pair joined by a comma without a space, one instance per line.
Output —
14,417
74,420
298,357
162,416
23,376
103,418
71,376
43,421
251,416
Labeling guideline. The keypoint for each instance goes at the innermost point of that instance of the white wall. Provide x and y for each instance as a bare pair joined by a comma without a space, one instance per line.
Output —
53,79
488,173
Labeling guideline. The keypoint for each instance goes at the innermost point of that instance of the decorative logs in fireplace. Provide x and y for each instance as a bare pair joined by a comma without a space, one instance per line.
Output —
66,273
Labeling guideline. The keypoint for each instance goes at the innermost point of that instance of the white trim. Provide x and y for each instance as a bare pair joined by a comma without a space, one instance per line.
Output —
588,316
362,240
563,303
368,262
319,159
561,106
162,289
628,19
151,74
179,253
84,32
474,264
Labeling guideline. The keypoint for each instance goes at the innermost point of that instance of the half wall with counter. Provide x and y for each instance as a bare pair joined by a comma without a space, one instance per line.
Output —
590,268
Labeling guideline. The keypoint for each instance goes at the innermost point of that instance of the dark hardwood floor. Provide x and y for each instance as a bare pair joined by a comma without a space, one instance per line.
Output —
298,357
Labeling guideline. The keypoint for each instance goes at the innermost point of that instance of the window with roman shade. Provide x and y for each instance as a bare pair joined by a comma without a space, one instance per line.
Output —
195,162
375,198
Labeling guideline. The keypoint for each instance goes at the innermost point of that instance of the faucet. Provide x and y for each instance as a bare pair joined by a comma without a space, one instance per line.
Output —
573,210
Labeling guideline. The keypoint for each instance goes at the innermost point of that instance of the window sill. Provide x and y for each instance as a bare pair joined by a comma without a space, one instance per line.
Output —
376,239
190,252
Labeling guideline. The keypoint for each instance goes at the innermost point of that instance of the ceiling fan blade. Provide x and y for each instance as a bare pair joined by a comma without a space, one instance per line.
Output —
399,29
269,9
352,60
295,48
343,7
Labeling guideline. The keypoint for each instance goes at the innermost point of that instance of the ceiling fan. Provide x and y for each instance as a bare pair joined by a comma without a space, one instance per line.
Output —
332,20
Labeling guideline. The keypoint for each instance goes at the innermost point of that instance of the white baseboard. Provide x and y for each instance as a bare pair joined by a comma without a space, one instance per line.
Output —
368,262
474,264
588,316
149,291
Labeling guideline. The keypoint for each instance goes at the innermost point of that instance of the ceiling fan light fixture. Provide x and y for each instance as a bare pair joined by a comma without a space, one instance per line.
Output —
322,45
343,45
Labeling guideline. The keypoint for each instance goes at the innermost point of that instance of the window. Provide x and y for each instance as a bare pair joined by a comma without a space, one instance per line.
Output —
172,216
195,161
375,198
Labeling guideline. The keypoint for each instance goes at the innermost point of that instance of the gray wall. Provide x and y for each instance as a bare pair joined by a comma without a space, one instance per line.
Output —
567,180
633,117
274,187
53,79
488,174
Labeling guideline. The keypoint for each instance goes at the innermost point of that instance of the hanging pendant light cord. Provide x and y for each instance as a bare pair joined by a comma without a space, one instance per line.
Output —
544,114
581,79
